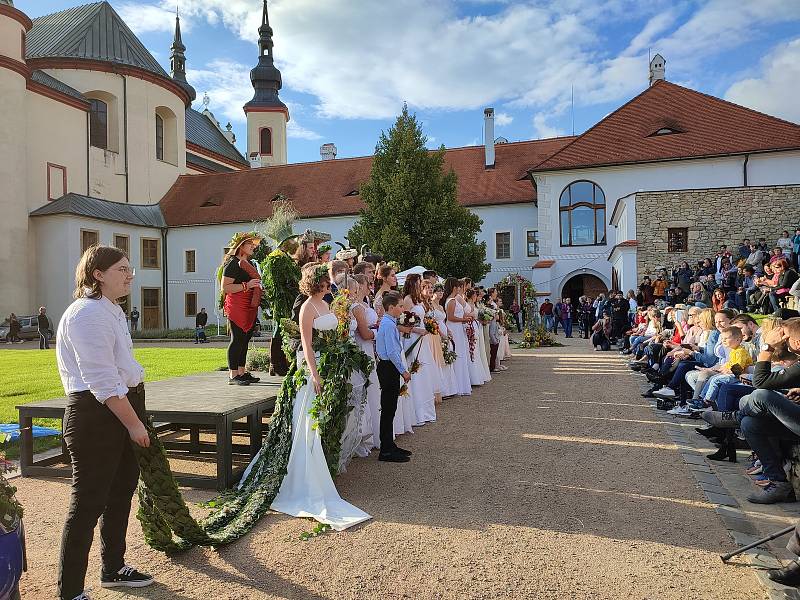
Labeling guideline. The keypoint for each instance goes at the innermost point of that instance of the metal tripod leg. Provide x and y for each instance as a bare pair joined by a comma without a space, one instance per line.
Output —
777,534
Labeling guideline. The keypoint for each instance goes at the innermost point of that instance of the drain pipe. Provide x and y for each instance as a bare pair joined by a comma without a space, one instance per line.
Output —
744,169
165,276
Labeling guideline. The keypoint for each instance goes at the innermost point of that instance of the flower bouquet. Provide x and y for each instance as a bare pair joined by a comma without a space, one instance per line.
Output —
485,314
341,308
470,331
408,319
403,390
448,351
431,326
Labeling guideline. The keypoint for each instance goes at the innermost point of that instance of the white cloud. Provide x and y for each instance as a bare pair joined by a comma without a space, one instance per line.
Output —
543,129
363,59
503,119
777,90
229,89
145,18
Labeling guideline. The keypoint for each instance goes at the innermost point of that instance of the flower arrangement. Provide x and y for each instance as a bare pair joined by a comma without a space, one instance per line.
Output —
408,319
341,308
528,291
537,337
508,321
485,314
403,390
415,365
470,330
431,326
448,351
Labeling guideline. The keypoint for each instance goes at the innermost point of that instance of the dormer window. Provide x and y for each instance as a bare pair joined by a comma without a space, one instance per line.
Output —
665,131
212,201
352,193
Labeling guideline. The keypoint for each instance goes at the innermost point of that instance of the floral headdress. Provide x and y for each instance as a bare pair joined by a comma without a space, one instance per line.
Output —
320,271
323,249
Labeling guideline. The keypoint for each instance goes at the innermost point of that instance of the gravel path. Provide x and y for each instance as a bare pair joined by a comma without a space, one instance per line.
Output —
553,481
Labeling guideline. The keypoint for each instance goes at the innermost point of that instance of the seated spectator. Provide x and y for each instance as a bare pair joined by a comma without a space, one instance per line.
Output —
744,249
787,277
739,359
718,300
756,258
698,294
786,245
769,414
777,254
660,288
601,332
682,276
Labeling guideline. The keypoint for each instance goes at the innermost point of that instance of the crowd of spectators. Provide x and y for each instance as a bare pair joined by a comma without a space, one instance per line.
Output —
695,333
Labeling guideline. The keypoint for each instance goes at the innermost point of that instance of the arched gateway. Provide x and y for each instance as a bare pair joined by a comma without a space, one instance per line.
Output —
583,285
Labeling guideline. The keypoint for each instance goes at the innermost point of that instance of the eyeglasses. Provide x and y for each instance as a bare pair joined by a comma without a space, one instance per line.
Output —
127,271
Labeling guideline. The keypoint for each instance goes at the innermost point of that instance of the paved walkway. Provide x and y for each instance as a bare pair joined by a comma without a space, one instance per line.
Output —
556,480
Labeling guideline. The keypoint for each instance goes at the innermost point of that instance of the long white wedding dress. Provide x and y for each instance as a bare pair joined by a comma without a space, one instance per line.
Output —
459,337
307,489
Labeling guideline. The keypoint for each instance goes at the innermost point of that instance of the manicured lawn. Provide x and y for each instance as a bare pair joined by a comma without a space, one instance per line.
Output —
32,375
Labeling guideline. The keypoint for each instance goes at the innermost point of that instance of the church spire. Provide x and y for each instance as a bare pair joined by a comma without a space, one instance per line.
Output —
265,77
177,59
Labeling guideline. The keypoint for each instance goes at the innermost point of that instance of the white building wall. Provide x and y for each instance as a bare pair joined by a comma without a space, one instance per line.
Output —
59,240
517,219
616,182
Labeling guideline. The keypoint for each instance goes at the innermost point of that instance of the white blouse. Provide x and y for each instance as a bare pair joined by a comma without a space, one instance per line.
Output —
95,351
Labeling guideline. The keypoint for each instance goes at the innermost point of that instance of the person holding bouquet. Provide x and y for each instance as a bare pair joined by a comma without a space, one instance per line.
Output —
448,377
423,385
457,321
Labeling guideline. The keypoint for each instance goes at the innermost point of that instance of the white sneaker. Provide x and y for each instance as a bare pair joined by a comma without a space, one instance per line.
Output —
665,392
82,596
681,411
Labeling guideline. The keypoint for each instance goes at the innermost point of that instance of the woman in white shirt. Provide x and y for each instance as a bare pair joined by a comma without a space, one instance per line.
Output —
105,413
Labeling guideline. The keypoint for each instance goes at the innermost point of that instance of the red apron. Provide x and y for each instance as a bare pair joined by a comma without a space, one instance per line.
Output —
238,309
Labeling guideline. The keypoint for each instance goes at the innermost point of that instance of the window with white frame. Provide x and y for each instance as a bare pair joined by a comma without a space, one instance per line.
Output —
532,242
502,245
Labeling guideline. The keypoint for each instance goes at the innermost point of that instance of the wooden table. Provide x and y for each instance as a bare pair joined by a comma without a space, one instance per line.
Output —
197,402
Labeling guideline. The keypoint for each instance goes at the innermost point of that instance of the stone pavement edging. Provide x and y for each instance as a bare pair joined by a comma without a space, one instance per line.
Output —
725,485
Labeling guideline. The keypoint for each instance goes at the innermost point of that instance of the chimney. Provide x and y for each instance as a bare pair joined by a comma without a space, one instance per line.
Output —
488,137
327,151
657,68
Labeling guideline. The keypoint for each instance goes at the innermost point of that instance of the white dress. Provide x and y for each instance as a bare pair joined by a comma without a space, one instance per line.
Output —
307,489
477,375
463,386
358,426
448,376
422,386
373,408
483,344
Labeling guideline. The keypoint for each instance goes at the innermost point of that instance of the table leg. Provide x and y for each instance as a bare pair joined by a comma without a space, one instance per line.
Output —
224,453
194,438
254,423
25,443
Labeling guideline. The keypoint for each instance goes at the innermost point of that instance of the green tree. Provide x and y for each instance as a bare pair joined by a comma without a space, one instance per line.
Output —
411,211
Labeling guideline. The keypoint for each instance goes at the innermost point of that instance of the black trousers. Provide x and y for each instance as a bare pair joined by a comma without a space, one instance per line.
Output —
104,477
389,380
279,364
237,349
44,341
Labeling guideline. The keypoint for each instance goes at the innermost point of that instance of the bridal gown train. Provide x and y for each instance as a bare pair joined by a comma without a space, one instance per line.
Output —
307,489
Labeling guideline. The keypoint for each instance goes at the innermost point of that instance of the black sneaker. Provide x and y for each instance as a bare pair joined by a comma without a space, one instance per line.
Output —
126,577
401,451
249,377
238,380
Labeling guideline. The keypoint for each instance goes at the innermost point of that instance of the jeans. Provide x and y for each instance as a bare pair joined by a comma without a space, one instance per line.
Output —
389,380
44,340
567,327
678,381
729,395
697,380
549,323
773,299
768,417
104,477
638,340
712,387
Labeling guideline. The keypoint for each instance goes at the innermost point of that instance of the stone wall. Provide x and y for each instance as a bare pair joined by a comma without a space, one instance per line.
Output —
712,217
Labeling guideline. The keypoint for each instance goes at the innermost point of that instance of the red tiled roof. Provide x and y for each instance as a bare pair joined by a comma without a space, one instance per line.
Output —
705,125
543,264
330,188
625,244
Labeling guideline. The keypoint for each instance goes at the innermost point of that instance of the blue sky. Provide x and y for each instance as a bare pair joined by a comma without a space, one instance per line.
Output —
348,65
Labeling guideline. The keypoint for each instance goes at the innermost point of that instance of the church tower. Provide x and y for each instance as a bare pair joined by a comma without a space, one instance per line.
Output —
266,114
177,61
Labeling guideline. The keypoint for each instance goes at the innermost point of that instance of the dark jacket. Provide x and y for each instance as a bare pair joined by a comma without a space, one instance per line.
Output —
201,319
764,378
43,323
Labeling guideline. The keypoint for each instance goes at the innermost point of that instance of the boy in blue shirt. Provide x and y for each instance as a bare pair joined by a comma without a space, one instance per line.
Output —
390,368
